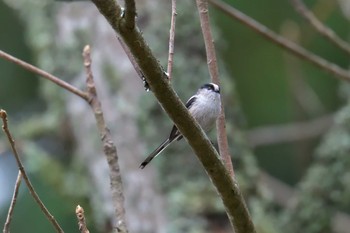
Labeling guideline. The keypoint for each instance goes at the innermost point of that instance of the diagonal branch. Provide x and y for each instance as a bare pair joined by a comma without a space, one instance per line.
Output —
43,208
202,6
281,41
44,74
225,184
13,203
319,26
109,148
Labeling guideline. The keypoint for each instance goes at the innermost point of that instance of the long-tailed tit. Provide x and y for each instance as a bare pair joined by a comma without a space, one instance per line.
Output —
204,106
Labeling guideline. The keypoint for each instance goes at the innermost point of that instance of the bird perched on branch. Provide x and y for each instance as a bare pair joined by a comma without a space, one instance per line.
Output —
204,106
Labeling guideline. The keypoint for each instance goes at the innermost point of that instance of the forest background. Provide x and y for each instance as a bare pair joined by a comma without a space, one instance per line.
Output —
287,120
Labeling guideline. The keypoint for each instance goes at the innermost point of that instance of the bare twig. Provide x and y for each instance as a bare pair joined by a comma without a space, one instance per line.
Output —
171,39
79,212
13,203
244,224
281,41
109,148
43,208
44,74
267,135
202,6
319,26
130,13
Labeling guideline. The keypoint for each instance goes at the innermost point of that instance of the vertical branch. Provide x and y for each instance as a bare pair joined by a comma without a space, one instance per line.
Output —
13,203
43,208
319,26
171,39
130,13
202,6
79,212
109,148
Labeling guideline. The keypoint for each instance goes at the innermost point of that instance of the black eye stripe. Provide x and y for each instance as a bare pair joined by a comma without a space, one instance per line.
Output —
210,86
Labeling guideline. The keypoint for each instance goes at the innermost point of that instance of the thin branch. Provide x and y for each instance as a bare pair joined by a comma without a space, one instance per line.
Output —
44,74
130,13
171,39
243,223
202,6
275,134
13,203
43,208
79,212
319,26
109,148
281,41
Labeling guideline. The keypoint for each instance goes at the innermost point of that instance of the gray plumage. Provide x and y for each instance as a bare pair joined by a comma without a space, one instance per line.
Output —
205,107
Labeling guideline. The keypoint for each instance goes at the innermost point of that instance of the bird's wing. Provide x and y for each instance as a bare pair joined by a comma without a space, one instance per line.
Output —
190,101
175,132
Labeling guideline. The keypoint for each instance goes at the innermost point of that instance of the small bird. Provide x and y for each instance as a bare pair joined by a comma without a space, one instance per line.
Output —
204,106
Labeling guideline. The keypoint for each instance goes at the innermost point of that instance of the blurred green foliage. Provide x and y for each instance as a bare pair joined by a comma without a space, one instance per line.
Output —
324,190
23,94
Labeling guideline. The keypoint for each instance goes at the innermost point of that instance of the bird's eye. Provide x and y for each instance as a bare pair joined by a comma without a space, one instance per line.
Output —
209,87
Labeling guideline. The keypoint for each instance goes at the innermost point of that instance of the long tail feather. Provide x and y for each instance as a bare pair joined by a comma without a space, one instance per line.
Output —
156,152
